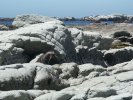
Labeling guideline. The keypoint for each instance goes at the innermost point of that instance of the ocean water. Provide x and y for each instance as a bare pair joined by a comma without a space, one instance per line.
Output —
7,23
67,23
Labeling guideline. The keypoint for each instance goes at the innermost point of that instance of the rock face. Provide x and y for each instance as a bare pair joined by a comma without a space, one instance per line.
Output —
116,56
93,55
23,44
89,69
117,18
30,76
3,27
67,19
90,82
42,37
26,20
121,34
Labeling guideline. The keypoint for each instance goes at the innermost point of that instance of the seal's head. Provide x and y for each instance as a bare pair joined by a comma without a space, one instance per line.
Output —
49,58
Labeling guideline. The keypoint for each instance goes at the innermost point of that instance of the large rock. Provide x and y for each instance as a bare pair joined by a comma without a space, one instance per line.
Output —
88,69
119,34
69,70
43,37
130,18
82,79
113,17
26,20
23,44
15,95
31,76
3,27
22,94
105,43
27,42
48,78
116,85
124,96
111,87
90,39
115,56
11,55
17,76
86,55
67,19
77,36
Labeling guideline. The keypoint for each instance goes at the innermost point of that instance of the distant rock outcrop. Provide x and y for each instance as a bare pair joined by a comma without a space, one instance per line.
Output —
26,20
67,19
116,18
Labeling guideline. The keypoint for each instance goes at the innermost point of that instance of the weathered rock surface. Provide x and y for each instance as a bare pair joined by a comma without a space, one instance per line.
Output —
23,44
3,27
42,37
115,56
90,39
100,83
93,55
89,68
26,20
117,18
77,36
117,84
30,76
67,19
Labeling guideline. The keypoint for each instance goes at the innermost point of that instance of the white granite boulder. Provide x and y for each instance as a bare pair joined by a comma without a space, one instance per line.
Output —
30,76
35,39
77,36
3,27
17,76
91,38
69,70
26,20
48,78
105,43
107,87
89,69
112,17
15,95
83,76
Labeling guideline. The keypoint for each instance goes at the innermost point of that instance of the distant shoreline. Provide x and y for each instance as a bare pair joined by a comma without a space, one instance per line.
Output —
97,19
72,21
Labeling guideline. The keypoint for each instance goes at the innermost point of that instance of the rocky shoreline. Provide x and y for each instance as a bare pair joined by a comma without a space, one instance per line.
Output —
93,65
94,20
115,18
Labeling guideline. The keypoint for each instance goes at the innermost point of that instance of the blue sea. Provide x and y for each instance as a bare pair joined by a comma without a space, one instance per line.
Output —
71,23
6,23
67,23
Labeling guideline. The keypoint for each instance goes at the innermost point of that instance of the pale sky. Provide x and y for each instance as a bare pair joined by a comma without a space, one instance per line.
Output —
62,8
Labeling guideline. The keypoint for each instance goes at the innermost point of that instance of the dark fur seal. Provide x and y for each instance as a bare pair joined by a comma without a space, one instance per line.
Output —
49,58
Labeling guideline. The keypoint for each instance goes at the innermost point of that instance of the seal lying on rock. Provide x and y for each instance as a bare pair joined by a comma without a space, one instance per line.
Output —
49,57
